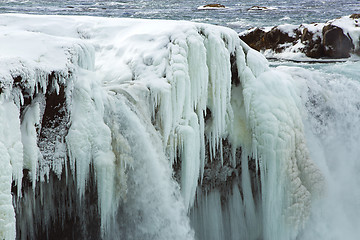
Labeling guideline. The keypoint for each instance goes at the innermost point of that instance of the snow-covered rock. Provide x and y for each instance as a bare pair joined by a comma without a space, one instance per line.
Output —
338,38
261,8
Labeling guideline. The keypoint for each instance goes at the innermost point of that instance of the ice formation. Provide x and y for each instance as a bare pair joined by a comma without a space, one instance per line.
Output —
128,107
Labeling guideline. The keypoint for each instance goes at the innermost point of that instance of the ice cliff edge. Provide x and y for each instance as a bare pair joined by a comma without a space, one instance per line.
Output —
97,116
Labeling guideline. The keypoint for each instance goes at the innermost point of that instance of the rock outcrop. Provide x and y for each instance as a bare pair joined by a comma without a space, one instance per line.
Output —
212,6
273,39
336,43
335,39
215,5
260,8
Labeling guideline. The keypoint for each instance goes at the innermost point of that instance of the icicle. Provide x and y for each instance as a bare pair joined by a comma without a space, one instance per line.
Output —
11,164
29,126
89,142
185,71
190,159
198,72
218,62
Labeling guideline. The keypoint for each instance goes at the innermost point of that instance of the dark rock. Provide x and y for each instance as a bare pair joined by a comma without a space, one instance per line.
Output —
313,47
254,39
53,209
355,16
234,71
259,8
17,79
207,115
328,42
215,5
336,43
276,37
260,40
47,212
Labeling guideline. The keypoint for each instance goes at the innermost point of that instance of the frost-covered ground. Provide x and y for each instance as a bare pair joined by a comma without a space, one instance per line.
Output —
123,107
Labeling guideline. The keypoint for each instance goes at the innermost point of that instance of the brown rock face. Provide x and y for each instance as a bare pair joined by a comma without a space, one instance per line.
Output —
336,43
260,40
313,47
328,42
276,37
215,5
254,39
355,16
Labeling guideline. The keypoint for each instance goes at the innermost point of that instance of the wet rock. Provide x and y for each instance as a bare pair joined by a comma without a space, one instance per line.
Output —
336,43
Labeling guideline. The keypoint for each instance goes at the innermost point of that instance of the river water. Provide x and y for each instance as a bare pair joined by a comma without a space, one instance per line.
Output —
236,15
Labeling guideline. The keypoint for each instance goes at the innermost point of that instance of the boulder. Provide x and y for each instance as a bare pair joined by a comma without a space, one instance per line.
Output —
336,43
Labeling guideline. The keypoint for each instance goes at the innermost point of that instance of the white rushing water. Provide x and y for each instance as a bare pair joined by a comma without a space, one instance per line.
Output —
170,130
332,131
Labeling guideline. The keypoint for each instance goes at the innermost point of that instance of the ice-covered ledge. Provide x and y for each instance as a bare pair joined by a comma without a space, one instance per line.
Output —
118,102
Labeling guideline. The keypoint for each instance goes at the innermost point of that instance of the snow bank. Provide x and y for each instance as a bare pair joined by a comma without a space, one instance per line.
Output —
143,96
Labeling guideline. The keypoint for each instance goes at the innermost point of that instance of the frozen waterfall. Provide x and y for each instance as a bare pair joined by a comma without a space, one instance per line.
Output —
144,129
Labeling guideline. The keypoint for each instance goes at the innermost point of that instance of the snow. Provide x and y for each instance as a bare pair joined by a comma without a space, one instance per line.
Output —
314,28
138,93
289,29
350,27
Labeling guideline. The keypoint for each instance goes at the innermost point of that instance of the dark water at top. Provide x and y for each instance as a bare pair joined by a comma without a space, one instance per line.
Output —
236,16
